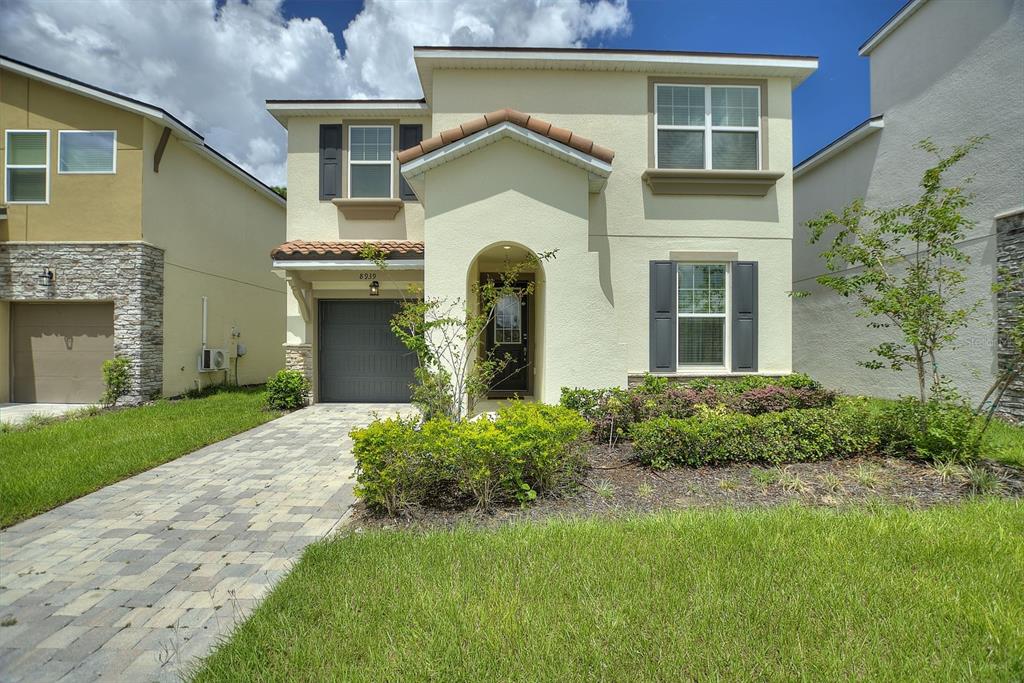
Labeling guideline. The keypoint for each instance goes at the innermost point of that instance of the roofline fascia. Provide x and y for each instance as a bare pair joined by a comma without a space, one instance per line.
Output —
343,264
851,137
155,114
574,52
158,115
423,163
694,58
281,110
894,22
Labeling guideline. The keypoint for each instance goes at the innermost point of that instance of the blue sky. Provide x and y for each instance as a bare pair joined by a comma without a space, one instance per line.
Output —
829,103
213,63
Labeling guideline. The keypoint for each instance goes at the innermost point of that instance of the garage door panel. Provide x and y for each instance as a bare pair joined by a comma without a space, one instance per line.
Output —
58,349
360,357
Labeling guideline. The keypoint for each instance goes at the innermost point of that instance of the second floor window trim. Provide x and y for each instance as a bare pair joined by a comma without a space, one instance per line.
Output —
32,163
707,125
90,159
389,162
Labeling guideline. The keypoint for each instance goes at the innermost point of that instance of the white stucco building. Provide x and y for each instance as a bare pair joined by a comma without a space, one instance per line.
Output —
940,69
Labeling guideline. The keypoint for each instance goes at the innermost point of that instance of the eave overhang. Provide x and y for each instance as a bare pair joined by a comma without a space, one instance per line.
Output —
414,171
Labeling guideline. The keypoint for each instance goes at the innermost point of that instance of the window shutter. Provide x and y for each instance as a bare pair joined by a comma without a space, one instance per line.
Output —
330,161
744,316
663,316
409,135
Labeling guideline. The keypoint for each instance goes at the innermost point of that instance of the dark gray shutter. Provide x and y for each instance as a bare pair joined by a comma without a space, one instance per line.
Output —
409,135
663,316
744,316
330,161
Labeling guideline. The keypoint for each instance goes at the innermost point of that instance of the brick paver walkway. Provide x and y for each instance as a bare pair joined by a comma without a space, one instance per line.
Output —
135,581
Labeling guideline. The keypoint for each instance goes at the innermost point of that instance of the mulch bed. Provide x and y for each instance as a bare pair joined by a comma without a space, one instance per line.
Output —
616,484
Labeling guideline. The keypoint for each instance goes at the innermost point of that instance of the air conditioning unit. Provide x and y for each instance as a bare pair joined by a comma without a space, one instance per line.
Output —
213,360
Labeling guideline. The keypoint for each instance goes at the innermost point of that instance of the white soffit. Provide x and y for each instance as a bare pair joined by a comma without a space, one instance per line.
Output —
597,170
796,68
364,109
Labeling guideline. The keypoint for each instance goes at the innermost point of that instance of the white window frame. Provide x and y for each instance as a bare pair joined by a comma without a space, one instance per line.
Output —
726,363
390,162
8,167
60,144
708,128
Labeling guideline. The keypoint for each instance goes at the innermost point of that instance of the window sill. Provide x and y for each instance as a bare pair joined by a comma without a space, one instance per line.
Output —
687,181
369,209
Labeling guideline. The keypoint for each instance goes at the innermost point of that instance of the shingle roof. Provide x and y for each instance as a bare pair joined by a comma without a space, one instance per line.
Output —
539,126
302,250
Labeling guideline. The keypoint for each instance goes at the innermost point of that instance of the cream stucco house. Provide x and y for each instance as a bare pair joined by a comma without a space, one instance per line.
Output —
122,232
663,179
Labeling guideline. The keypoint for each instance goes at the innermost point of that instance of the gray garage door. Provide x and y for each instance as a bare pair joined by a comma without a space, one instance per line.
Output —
361,360
58,351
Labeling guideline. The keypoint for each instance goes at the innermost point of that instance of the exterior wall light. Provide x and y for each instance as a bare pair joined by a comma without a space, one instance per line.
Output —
374,288
45,277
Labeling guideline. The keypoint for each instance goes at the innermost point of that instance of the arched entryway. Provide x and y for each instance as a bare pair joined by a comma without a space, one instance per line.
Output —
514,333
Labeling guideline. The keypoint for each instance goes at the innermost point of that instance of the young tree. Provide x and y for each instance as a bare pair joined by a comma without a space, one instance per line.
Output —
904,267
447,336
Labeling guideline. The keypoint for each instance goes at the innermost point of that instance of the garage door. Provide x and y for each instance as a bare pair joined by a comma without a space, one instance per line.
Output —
361,360
57,351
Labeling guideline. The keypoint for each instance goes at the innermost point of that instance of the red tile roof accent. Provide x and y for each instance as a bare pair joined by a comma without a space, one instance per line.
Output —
539,126
302,250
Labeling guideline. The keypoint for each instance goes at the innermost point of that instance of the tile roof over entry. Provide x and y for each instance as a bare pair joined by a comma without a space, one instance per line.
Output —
539,126
302,250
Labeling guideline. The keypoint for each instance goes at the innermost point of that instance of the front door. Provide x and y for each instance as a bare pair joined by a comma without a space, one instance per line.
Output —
508,339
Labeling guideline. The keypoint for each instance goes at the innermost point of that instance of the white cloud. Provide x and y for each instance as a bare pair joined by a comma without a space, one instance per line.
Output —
214,67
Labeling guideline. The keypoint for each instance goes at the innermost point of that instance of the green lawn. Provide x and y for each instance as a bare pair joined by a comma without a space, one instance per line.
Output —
1003,441
45,466
785,594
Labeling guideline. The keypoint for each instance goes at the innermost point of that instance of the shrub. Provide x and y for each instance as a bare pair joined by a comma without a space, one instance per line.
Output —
717,436
942,431
287,390
527,449
117,379
612,412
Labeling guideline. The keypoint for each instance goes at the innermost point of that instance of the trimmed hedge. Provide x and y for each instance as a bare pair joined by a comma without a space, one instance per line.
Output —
614,411
528,448
717,436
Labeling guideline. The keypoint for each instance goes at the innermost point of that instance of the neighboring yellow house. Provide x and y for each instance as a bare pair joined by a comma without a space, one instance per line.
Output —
123,233
663,179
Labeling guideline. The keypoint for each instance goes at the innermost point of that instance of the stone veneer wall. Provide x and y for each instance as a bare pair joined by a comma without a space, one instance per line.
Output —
130,274
1010,257
300,357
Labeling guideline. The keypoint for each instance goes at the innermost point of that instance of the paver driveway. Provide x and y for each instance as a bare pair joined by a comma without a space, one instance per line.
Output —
134,581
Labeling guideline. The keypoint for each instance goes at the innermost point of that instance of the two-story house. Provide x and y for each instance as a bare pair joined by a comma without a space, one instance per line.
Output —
662,179
123,233
943,70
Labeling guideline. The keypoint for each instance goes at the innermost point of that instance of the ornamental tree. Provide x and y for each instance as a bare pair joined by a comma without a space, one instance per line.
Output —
904,267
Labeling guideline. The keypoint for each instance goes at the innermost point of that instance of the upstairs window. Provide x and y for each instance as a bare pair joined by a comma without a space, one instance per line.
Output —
370,154
27,167
86,151
707,126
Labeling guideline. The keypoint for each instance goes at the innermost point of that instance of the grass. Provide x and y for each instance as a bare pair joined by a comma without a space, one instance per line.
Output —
1004,442
780,594
50,463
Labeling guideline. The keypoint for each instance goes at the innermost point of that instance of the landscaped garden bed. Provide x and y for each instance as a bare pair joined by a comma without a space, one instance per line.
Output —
753,442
